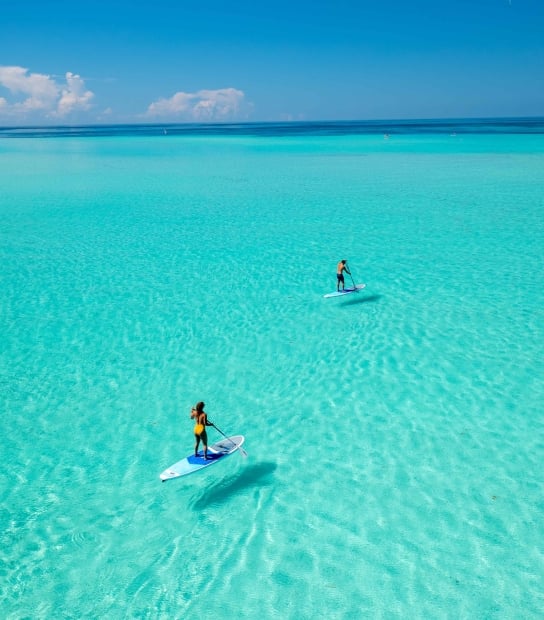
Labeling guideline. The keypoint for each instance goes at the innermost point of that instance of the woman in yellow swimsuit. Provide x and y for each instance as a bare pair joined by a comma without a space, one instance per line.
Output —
201,421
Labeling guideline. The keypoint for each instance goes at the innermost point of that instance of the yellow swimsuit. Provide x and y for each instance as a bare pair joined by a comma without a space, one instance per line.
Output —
198,429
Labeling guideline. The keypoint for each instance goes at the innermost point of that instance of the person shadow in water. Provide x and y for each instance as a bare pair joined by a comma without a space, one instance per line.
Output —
259,474
367,299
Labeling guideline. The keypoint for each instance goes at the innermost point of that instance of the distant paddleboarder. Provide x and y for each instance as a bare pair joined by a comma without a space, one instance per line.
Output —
340,268
201,421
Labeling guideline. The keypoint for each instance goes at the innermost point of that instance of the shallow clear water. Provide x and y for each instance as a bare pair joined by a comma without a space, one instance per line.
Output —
395,437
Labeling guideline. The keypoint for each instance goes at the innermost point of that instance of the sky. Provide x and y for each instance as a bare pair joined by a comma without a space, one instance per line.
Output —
163,61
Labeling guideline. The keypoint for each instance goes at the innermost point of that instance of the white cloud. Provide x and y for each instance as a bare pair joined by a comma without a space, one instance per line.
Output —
39,91
35,95
204,105
74,96
178,104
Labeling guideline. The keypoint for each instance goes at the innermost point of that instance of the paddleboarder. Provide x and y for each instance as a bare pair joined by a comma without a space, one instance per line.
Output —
201,421
340,268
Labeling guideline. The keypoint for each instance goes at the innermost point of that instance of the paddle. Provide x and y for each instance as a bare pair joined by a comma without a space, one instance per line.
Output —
244,453
354,285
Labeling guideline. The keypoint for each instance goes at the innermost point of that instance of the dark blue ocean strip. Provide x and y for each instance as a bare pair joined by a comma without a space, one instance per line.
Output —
323,128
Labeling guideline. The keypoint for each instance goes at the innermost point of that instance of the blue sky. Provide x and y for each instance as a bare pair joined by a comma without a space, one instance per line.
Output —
175,61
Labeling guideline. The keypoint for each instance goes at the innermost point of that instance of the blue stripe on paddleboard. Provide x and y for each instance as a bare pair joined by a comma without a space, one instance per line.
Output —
346,291
200,460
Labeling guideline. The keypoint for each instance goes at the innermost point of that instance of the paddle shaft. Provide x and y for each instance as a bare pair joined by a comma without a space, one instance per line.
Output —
354,286
232,442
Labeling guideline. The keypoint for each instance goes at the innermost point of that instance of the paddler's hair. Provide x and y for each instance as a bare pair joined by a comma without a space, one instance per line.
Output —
200,407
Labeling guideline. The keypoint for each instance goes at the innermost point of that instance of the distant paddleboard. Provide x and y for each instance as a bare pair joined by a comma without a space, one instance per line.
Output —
347,291
217,452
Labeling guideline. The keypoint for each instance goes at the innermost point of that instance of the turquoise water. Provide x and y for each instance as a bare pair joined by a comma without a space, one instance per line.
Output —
395,437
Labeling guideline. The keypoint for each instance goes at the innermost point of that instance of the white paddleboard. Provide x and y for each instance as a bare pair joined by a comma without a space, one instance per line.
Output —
347,291
216,452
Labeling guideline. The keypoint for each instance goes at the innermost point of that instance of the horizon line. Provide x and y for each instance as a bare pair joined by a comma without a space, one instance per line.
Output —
297,122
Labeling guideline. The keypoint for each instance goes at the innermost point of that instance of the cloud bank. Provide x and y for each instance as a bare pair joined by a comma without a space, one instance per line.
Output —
27,97
204,105
39,96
